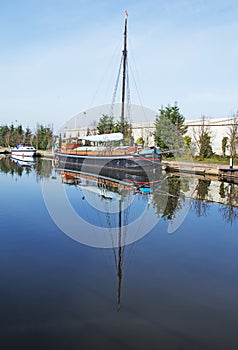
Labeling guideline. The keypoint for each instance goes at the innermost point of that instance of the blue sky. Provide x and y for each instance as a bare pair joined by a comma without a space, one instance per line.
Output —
61,57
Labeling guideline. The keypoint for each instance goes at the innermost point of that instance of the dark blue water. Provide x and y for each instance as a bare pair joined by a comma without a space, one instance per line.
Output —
176,290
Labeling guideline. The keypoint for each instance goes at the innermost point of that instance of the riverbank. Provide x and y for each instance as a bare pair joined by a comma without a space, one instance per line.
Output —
221,171
43,154
4,150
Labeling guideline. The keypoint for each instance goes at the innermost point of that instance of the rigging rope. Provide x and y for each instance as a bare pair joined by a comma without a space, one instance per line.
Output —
115,90
138,93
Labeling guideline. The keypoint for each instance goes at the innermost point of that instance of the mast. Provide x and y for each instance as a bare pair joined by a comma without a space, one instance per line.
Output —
119,262
124,54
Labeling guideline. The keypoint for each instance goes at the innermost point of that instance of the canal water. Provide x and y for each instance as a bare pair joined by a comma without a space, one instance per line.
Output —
95,262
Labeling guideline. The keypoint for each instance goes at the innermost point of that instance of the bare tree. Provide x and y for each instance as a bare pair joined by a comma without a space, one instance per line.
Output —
233,136
202,136
93,127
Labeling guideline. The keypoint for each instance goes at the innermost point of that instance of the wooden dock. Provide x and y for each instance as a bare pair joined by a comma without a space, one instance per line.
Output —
222,172
229,174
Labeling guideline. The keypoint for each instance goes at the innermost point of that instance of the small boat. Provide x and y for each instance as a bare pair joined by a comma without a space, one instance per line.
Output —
103,153
23,151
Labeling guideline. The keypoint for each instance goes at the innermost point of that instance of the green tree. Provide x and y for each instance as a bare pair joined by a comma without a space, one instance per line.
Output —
28,136
4,135
11,135
187,141
224,145
16,135
140,141
12,140
128,136
105,124
19,134
205,146
43,138
169,128
60,141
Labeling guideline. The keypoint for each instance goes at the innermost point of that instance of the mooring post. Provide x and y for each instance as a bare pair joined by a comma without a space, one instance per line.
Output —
231,163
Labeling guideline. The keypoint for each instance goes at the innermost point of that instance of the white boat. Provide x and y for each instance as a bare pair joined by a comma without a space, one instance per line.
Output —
23,151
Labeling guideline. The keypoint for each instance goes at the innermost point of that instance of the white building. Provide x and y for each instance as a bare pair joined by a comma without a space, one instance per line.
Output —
218,128
78,126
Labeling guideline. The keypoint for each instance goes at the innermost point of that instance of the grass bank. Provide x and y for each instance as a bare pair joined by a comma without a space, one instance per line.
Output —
214,160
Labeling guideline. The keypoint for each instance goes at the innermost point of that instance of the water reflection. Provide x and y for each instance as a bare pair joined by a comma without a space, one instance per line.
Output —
229,192
167,198
171,291
201,203
19,166
9,166
167,193
109,197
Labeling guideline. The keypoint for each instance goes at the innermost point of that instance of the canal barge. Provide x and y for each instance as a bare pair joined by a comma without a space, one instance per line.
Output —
102,151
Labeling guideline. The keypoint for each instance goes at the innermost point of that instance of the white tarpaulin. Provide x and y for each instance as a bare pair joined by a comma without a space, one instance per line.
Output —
117,136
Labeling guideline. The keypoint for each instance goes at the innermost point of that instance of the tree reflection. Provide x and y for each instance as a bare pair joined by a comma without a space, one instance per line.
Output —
200,204
167,198
222,191
168,193
228,211
42,168
7,166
